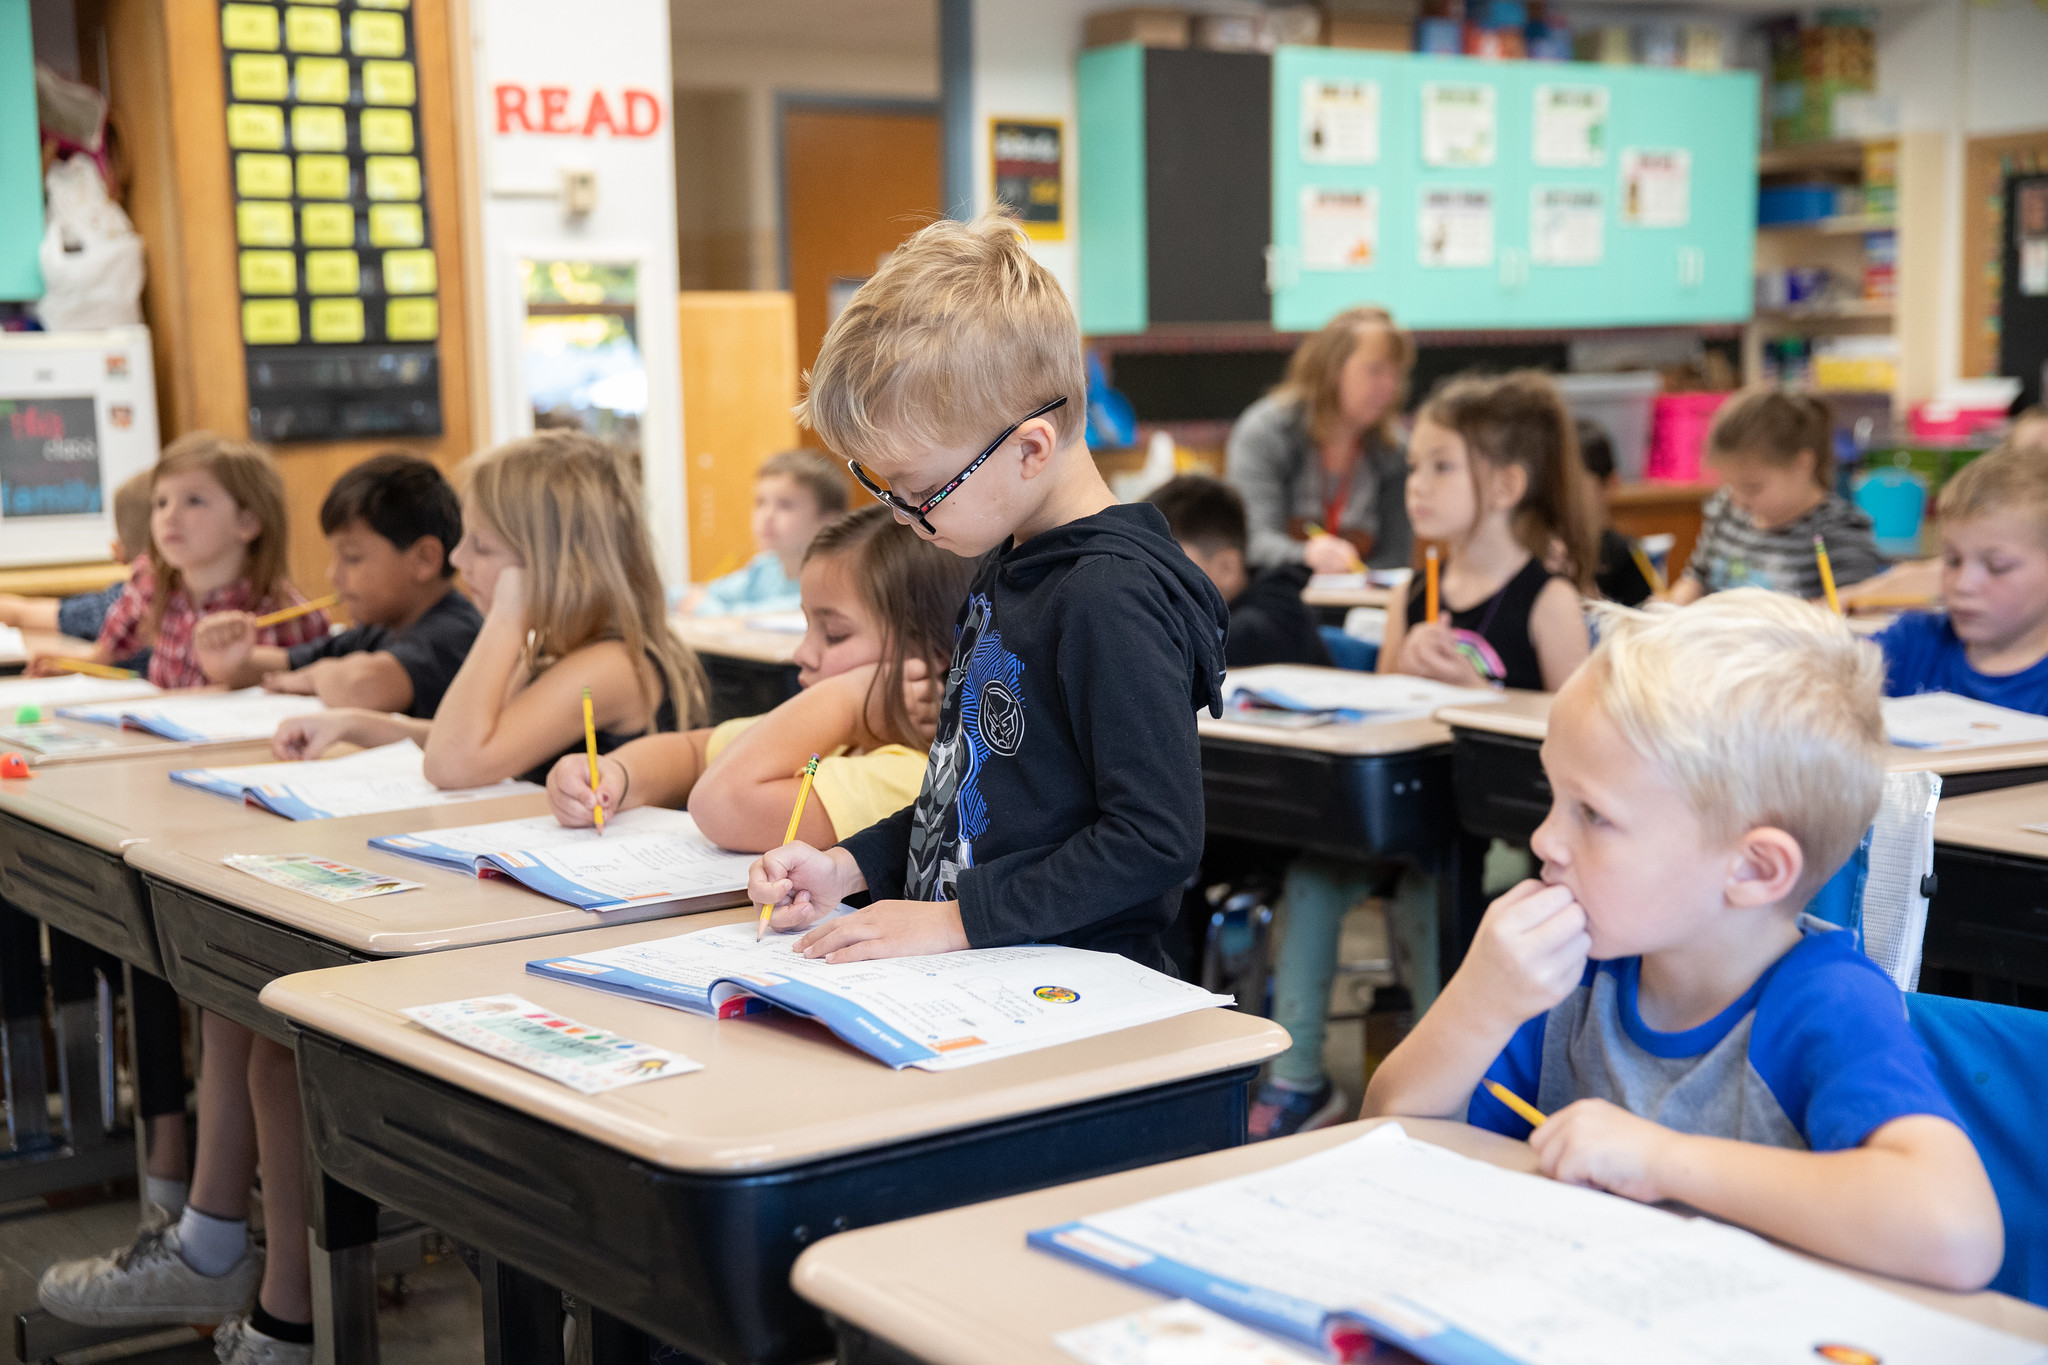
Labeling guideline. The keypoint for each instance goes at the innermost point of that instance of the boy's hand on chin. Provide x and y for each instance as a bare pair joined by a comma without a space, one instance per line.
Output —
1592,1142
1529,953
888,929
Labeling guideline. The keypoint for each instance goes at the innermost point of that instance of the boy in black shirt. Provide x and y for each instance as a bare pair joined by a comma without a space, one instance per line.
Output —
1063,799
1619,578
1269,624
390,522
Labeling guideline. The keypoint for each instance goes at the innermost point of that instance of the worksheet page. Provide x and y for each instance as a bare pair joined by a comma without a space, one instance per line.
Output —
386,778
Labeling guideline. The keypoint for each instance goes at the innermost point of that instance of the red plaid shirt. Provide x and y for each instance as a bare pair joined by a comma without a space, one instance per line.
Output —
173,664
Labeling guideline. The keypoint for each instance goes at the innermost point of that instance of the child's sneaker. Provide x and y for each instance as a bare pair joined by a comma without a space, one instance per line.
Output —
235,1342
1279,1111
146,1284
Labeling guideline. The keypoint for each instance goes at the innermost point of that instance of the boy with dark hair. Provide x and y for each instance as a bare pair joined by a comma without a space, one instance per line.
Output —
390,522
1268,622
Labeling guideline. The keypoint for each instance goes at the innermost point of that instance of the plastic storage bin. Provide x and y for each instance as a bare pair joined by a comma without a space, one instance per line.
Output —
1620,404
1794,204
1678,435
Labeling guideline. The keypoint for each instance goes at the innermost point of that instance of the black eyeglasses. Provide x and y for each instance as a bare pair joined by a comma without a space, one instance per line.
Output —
916,511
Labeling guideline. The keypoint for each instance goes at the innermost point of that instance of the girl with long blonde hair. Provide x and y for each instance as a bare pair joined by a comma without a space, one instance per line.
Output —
556,552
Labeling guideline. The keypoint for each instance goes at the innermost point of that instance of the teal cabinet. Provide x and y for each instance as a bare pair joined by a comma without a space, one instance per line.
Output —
21,158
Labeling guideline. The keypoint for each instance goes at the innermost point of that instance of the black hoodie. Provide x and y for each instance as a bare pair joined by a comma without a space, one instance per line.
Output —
1063,799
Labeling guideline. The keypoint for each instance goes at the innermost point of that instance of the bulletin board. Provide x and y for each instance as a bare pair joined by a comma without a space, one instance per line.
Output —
340,289
1989,163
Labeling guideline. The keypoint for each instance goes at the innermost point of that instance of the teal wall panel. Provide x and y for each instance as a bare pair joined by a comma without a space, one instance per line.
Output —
21,162
1110,96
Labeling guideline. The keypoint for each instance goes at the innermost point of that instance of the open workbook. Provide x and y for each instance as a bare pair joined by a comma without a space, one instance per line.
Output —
200,717
1464,1263
935,1013
647,856
1342,694
368,783
71,689
1943,720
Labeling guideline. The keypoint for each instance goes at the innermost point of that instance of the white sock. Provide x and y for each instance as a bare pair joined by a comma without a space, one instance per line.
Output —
211,1245
167,1194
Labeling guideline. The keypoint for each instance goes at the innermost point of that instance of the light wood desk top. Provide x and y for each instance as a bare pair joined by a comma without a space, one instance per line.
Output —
450,910
1323,595
732,637
62,580
47,642
962,1288
776,1090
113,805
1338,738
1526,715
1996,821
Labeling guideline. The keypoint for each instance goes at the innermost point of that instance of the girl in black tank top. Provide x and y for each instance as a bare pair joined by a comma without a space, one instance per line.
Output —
1494,635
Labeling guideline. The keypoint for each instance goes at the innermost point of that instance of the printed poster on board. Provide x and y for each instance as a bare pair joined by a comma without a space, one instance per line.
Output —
1458,123
1340,122
49,457
1025,157
1454,228
1340,228
1567,224
1656,186
1571,125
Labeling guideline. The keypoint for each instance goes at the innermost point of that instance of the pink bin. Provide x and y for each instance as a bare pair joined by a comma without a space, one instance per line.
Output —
1678,436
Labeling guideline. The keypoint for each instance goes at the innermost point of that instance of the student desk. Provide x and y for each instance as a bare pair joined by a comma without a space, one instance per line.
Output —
963,1288
1332,602
1989,914
64,831
44,642
750,670
1502,794
678,1206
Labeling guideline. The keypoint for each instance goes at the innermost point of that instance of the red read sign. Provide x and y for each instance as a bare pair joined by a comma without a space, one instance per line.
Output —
558,110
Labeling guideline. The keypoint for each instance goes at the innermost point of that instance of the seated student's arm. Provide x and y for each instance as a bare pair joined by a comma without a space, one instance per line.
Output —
489,727
1557,627
1912,1200
372,679
28,613
121,634
227,650
1916,582
653,770
1528,954
1423,650
312,735
1687,590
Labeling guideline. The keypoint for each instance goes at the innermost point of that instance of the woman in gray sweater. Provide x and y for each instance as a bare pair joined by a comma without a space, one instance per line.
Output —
1322,450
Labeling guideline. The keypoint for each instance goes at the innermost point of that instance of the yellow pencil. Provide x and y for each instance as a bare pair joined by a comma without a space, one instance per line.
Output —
796,817
92,669
1535,1116
278,618
1429,585
1650,574
590,747
1827,574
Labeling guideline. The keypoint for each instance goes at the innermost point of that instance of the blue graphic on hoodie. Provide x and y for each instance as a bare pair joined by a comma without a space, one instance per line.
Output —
982,717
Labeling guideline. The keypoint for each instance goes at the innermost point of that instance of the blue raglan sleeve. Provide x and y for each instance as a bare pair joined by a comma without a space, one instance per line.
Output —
1832,1042
1520,1068
1911,645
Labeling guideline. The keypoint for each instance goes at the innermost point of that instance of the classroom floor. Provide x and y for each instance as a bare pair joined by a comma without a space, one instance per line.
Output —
437,1323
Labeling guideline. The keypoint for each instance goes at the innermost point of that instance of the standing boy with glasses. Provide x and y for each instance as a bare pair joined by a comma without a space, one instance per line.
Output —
1063,799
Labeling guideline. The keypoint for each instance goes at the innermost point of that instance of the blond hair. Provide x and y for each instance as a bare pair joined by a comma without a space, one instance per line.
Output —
817,473
133,505
1314,369
248,474
1762,708
2009,479
1518,420
958,334
565,503
1774,426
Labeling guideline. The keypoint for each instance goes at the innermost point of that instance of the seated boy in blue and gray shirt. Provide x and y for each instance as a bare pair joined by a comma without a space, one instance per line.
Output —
1657,994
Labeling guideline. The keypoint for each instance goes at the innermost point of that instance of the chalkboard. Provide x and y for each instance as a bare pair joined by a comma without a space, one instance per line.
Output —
49,458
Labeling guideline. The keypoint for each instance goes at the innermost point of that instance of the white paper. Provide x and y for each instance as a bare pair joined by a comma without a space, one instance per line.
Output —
1454,228
966,1007
1943,720
13,644
1571,125
1567,224
1458,123
203,718
2034,266
514,1029
386,778
1340,229
1178,1333
1376,696
1547,1273
779,623
72,689
634,869
540,831
1340,122
1656,186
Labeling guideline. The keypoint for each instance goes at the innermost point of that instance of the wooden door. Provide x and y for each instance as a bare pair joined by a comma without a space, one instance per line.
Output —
856,181
739,384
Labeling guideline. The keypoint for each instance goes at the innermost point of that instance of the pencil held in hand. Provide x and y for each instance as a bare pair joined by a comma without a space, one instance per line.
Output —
278,618
796,817
1827,574
1535,1116
590,747
91,669
1429,585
